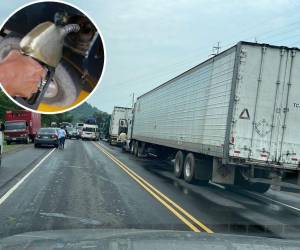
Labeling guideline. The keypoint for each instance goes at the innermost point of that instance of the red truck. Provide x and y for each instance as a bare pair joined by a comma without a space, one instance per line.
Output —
21,126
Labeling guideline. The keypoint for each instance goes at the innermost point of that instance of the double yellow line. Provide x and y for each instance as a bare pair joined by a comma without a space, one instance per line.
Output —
178,211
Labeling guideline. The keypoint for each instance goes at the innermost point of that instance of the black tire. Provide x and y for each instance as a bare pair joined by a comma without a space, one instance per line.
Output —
189,168
131,147
36,145
178,164
66,81
8,142
141,149
136,148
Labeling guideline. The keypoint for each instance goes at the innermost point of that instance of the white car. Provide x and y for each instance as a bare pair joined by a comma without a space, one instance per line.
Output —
90,132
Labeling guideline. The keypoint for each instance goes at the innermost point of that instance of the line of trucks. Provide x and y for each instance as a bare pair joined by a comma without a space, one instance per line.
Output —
232,119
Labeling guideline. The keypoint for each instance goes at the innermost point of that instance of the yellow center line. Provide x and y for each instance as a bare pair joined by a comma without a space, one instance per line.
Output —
156,193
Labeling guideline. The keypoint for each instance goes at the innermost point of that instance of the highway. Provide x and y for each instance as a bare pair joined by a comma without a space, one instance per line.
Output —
95,185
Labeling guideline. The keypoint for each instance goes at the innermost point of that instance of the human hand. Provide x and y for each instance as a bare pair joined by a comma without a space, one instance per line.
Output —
20,75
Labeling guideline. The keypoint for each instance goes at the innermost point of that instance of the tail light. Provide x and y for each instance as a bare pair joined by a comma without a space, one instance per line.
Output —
54,136
38,136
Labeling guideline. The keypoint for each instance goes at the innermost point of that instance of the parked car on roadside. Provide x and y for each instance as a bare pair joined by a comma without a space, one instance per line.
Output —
46,137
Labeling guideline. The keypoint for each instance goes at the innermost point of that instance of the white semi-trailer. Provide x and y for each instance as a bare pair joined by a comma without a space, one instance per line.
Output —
233,119
120,120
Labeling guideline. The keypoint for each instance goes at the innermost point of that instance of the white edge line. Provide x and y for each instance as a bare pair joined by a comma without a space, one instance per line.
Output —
275,201
10,191
262,197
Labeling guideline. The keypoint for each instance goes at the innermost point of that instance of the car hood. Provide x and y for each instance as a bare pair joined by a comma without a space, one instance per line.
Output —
139,239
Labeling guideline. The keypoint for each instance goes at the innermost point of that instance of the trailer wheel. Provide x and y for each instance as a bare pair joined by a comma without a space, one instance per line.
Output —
141,149
189,168
132,147
136,148
178,164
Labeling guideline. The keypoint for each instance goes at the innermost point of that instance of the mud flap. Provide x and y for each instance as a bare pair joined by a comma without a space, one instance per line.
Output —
223,174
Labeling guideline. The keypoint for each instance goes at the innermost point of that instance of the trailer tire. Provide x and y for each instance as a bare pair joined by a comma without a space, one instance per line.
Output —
178,164
189,168
132,147
141,149
136,148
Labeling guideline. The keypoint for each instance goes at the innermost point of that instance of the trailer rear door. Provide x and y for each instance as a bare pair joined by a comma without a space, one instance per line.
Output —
266,114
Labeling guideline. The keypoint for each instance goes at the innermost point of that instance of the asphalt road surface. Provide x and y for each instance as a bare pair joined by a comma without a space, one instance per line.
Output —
94,185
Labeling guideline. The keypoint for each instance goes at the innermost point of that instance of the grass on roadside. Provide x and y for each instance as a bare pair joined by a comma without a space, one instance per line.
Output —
11,147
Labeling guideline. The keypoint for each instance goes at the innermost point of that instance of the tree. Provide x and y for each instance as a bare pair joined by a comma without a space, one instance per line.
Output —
6,104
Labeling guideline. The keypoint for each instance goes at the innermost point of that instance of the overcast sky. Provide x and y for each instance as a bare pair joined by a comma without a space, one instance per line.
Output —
151,41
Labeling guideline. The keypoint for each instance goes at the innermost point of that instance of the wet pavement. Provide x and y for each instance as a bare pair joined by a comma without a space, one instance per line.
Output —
81,187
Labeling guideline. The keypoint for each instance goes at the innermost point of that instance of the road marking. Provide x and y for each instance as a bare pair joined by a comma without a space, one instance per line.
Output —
259,196
274,201
14,188
167,202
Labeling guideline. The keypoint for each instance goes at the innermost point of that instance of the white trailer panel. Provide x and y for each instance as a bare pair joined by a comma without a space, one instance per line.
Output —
190,111
265,113
240,104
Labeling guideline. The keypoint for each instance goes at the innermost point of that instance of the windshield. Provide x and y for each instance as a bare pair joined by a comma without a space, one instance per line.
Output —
87,129
47,131
194,126
15,125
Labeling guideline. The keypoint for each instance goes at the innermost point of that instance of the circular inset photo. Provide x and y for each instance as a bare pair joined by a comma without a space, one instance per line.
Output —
52,56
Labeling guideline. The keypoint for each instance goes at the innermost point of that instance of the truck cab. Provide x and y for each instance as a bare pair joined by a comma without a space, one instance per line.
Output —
21,126
119,123
16,131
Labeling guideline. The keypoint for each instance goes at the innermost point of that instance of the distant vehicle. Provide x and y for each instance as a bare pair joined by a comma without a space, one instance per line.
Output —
91,120
53,125
73,133
1,140
119,122
21,126
46,136
90,132
79,126
64,125
232,119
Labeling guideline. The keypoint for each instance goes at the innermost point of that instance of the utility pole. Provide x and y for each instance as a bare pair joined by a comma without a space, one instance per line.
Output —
216,49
